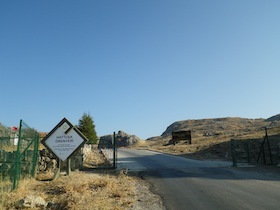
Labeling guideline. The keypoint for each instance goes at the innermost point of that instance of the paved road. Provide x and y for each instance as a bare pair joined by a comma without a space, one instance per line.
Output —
192,184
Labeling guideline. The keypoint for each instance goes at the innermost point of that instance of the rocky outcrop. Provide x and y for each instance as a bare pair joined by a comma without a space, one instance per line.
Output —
273,118
228,125
31,202
122,140
47,161
36,202
154,138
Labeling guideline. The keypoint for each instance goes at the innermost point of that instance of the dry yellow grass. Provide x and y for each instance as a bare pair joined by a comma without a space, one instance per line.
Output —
94,159
5,186
105,189
204,147
8,146
80,190
141,144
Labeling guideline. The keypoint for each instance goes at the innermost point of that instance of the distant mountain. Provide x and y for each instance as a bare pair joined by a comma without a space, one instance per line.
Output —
274,118
217,126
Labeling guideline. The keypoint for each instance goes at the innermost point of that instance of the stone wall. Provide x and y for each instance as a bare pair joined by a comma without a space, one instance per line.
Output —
49,162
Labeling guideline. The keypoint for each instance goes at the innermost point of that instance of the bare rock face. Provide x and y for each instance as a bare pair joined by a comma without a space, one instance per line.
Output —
154,138
122,140
47,161
273,118
31,202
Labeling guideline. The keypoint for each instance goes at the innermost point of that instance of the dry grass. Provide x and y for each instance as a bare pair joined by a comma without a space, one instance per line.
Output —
204,147
8,147
83,190
5,186
80,190
95,159
142,144
47,175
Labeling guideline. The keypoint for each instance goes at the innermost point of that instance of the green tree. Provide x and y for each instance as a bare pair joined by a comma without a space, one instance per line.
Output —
87,127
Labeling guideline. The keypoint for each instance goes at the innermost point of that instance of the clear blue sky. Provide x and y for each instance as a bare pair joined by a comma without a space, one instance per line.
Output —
138,65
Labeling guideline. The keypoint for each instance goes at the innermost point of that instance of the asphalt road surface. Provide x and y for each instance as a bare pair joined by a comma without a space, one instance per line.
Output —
192,184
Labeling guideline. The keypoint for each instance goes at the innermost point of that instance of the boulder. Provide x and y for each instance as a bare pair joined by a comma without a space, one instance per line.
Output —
31,202
122,140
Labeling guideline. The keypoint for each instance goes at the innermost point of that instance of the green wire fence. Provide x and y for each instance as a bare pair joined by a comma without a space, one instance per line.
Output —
18,155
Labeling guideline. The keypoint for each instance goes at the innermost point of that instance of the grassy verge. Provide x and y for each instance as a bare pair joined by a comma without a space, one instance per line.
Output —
80,190
98,189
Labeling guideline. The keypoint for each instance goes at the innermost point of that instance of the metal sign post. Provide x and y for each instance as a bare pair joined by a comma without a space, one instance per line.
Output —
114,151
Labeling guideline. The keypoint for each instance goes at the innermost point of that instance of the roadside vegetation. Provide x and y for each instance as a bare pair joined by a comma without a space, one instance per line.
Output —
80,190
85,190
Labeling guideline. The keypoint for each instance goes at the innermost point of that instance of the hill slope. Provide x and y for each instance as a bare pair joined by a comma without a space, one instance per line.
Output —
273,118
219,126
211,137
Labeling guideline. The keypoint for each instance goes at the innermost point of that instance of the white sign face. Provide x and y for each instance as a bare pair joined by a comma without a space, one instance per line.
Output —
63,145
63,141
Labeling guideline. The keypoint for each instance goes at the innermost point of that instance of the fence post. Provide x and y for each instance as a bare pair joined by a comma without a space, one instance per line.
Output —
269,148
35,156
114,150
68,166
233,152
17,162
247,152
57,173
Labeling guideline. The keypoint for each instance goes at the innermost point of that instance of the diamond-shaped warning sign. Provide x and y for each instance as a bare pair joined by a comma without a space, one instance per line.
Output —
64,139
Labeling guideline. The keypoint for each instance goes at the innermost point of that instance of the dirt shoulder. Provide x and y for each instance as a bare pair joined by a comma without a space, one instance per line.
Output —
145,198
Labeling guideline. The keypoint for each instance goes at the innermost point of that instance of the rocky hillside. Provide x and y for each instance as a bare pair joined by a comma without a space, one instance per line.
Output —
222,126
211,137
273,118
